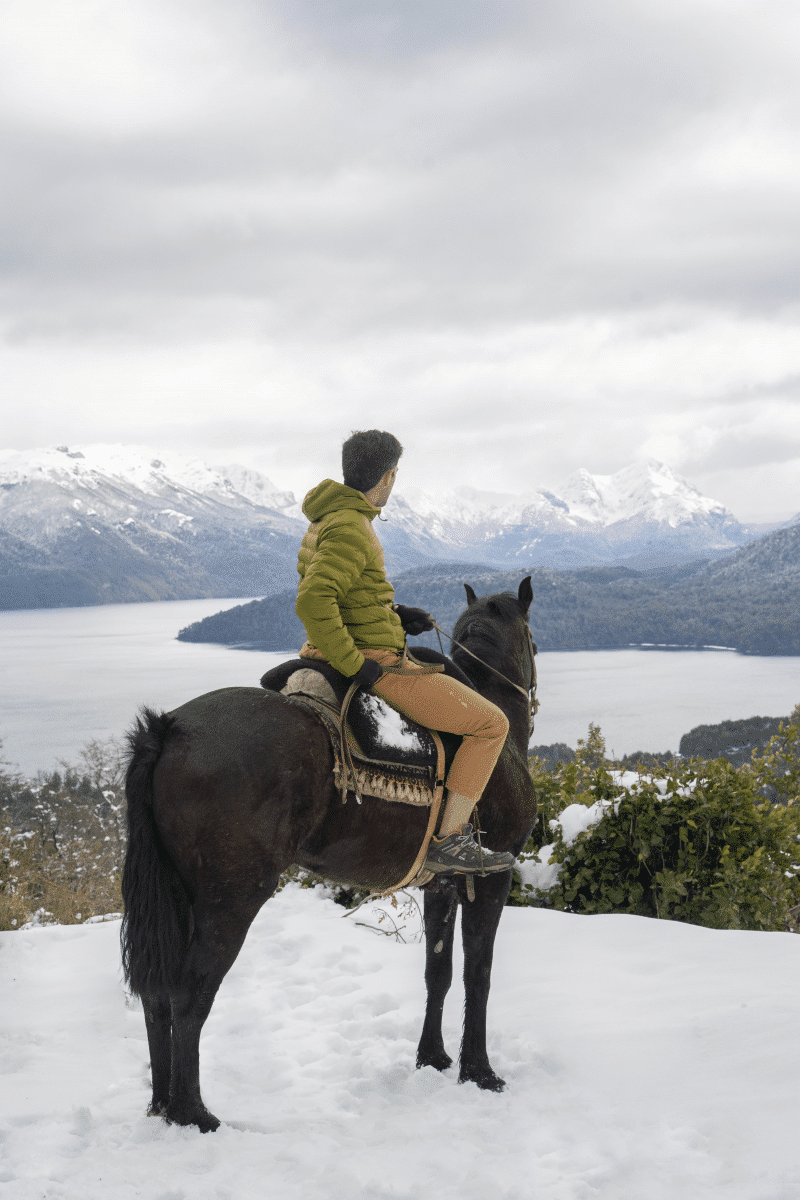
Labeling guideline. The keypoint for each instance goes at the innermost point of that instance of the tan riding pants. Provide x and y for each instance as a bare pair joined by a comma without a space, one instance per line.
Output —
445,704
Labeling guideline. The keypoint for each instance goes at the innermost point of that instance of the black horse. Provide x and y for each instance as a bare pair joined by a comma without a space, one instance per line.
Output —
229,790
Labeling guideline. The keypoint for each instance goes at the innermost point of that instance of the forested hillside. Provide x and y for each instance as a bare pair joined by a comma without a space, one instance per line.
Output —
733,740
749,600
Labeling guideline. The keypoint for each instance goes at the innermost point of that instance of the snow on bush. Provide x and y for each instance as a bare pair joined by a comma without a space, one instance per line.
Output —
701,845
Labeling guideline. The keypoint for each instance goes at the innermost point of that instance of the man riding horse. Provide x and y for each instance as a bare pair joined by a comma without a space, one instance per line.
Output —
346,605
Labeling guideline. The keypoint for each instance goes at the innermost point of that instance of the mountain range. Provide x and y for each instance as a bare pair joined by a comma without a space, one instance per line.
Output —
94,524
748,601
110,524
643,516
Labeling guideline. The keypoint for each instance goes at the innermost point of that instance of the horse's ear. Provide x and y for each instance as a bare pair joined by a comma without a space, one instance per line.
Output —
471,597
525,594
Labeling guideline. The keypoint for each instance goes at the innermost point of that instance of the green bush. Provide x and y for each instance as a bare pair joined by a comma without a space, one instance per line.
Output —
777,766
702,847
567,784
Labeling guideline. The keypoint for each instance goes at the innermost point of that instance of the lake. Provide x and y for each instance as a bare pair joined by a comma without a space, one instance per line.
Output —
72,674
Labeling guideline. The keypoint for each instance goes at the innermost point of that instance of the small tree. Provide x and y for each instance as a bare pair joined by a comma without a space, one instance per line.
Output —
574,782
103,763
591,752
778,766
62,841
10,781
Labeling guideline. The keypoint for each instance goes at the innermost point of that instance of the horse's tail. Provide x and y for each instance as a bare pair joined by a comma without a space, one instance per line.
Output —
157,920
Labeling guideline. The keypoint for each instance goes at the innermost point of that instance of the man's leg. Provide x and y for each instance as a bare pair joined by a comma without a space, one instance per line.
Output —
446,704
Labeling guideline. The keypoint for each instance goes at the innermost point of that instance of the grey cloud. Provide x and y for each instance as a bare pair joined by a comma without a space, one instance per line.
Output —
409,206
742,449
388,33
523,165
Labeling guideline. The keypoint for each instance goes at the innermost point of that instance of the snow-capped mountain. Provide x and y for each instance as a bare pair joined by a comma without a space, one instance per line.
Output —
649,491
644,511
95,524
259,490
100,475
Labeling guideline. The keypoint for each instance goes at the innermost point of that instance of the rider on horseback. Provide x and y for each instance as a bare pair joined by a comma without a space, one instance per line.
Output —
346,605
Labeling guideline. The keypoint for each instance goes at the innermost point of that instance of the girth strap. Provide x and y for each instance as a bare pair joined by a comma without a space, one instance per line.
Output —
433,821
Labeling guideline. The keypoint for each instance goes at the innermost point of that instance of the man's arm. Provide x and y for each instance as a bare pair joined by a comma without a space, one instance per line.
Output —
338,562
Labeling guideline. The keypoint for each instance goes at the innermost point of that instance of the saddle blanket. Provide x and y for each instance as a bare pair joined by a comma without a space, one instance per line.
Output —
392,758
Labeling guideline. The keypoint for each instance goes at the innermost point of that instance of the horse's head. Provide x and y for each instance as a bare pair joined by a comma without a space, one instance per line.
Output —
495,629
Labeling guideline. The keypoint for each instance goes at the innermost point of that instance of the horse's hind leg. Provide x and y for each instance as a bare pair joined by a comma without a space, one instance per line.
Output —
441,906
158,1022
219,931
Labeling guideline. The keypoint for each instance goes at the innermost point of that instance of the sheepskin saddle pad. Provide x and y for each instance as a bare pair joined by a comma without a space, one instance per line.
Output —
394,758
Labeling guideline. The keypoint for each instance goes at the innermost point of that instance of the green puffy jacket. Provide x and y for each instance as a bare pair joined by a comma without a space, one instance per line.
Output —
344,599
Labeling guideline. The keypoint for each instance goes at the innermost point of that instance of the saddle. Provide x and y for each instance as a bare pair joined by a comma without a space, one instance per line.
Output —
377,751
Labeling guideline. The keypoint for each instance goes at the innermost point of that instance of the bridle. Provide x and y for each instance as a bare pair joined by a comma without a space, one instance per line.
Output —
530,694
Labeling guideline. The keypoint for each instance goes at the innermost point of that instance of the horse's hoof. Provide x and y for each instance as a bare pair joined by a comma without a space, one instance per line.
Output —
157,1108
484,1077
440,1060
205,1121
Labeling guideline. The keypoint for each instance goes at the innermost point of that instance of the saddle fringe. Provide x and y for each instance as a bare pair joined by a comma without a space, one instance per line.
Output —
353,771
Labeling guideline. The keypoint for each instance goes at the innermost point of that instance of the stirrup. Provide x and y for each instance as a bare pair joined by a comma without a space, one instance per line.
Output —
459,852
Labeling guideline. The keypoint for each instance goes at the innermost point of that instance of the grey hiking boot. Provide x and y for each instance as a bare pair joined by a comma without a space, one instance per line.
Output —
460,852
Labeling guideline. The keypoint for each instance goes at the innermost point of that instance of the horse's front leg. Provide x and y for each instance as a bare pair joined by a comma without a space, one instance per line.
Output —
441,906
479,921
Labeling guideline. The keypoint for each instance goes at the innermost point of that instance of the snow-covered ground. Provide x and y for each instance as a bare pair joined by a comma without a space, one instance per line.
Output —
645,1060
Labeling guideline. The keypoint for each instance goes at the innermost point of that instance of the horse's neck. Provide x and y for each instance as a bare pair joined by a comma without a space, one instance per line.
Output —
515,708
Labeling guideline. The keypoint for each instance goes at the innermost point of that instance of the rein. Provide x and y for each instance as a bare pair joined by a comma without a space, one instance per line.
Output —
530,694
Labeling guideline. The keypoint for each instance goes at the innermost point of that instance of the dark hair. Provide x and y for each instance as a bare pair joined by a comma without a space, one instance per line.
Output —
366,457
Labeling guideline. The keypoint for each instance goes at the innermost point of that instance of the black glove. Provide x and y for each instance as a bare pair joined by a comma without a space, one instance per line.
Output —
414,620
370,673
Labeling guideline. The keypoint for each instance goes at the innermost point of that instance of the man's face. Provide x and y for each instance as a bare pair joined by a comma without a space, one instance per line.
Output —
383,490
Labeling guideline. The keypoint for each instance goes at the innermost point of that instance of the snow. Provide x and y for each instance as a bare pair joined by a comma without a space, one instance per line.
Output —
539,873
470,506
649,490
390,726
645,1060
577,818
644,489
260,490
465,521
89,464
148,470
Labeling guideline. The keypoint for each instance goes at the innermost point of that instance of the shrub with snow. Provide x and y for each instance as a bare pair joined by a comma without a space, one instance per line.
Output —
701,845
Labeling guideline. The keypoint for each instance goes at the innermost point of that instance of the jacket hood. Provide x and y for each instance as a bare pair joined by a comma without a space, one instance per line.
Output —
330,496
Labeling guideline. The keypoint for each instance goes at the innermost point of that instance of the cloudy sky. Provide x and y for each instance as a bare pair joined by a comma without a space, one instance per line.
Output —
524,235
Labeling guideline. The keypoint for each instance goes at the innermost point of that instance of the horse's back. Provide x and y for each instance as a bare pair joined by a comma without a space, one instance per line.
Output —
237,764
240,722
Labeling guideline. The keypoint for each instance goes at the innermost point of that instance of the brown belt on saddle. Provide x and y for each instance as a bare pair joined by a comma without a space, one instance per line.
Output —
438,789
